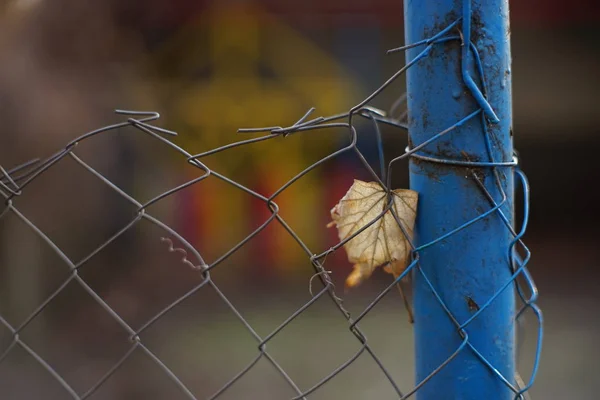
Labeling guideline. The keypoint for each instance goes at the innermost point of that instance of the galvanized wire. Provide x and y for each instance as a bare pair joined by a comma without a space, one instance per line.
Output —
14,181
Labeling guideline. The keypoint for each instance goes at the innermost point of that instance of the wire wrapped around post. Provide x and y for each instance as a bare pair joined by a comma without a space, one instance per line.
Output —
464,306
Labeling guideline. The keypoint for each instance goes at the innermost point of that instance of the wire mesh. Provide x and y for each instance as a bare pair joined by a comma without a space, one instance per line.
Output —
16,180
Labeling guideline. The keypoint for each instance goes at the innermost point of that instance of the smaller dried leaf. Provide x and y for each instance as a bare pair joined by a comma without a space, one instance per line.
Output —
383,242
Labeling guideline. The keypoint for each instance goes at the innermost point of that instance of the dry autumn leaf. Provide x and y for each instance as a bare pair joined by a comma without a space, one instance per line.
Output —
383,242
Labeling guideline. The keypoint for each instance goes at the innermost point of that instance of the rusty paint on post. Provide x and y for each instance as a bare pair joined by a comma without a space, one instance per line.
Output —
469,267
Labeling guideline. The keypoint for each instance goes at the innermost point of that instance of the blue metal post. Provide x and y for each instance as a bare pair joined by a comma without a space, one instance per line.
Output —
470,266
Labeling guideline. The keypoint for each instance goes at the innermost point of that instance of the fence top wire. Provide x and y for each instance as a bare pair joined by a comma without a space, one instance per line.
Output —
15,180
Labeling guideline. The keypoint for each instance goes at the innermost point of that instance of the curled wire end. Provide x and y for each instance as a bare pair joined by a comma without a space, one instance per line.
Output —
368,111
324,272
138,123
131,112
184,259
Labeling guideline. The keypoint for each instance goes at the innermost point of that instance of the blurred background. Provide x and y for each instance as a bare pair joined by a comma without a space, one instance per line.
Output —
209,68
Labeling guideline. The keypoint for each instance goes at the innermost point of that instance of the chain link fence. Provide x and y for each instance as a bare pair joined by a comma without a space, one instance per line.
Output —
16,181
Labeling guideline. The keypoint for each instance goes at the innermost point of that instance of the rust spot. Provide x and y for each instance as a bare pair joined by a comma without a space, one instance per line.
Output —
478,173
476,24
444,51
473,307
470,157
425,116
444,150
440,24
418,167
